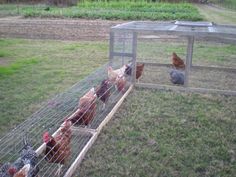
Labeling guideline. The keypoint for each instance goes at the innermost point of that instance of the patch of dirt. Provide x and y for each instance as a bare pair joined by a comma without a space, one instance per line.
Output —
3,62
60,29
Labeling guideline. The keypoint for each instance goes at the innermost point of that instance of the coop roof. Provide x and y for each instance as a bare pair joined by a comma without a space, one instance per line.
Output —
179,28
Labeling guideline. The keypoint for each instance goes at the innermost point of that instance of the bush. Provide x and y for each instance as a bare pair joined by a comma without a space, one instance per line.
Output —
62,2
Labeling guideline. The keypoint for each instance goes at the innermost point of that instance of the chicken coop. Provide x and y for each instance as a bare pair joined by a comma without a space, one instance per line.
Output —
51,118
207,51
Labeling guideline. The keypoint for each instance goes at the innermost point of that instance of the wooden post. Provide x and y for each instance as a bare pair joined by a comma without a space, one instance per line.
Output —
134,53
188,60
123,48
188,90
111,49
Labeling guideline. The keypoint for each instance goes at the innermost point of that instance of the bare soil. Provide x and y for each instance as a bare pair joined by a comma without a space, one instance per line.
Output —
60,29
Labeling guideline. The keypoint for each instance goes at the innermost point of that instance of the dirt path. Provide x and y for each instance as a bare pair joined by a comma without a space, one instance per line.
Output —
217,14
63,29
81,29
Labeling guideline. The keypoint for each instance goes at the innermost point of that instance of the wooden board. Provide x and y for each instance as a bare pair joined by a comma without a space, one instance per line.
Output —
184,89
193,67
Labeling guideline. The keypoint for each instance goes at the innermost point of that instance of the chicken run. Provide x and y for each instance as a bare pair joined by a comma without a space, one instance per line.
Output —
142,54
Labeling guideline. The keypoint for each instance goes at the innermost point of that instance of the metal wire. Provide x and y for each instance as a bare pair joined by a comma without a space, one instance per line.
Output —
50,117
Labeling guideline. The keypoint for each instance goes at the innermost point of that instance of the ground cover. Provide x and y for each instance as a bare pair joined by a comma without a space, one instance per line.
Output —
109,10
32,71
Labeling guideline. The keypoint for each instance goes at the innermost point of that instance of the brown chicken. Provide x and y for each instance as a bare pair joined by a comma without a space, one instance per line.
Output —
139,70
177,62
58,148
103,92
87,109
120,83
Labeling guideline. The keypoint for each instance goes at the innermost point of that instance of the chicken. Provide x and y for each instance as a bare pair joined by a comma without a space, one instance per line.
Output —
23,172
5,172
113,74
177,62
27,157
103,92
177,77
139,70
87,109
58,148
12,168
86,100
120,83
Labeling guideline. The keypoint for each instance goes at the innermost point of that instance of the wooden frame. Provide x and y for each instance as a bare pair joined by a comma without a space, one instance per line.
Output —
185,89
192,31
192,66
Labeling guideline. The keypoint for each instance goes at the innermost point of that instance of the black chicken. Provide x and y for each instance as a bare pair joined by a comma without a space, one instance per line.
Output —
26,165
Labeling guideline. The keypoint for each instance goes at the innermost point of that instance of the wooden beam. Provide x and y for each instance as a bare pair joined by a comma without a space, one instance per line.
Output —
154,64
134,57
184,89
82,130
188,60
227,69
193,67
122,54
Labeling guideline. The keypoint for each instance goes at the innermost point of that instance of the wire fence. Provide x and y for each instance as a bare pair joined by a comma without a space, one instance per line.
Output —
65,106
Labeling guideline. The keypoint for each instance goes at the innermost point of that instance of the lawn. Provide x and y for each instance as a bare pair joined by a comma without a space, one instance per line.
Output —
154,133
158,133
32,71
217,15
126,10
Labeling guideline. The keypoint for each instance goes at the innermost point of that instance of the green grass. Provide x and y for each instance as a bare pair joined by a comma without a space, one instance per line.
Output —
38,69
16,66
154,133
166,134
231,4
111,10
205,52
35,70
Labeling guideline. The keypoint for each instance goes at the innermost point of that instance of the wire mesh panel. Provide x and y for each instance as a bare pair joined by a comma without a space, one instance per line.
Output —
60,132
193,56
156,52
213,65
123,42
